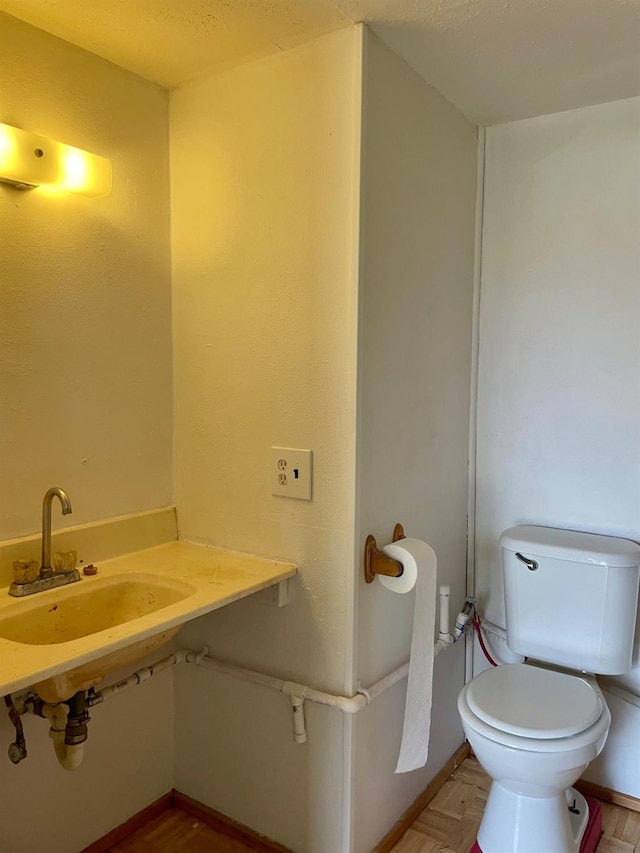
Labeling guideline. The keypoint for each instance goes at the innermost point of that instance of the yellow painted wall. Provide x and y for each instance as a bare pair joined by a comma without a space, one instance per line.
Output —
264,217
85,302
85,395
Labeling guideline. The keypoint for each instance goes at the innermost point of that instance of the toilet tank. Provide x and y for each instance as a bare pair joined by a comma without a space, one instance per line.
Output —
571,598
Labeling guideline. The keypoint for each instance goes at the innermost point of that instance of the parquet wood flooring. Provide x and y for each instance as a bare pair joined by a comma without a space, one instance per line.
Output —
449,824
174,831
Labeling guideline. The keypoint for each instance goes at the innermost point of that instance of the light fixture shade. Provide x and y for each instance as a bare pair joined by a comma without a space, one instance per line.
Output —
28,161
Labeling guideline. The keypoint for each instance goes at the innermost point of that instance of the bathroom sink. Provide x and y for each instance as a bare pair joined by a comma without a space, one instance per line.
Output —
71,613
67,639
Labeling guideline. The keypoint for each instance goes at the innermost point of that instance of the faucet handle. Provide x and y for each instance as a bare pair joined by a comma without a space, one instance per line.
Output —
65,561
25,571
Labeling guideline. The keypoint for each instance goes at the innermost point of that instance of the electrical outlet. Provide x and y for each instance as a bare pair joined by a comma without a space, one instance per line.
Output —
291,472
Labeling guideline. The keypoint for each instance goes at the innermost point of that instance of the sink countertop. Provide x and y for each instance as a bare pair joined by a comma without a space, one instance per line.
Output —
219,577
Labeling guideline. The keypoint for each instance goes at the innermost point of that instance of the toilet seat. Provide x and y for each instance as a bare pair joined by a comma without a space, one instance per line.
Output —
531,702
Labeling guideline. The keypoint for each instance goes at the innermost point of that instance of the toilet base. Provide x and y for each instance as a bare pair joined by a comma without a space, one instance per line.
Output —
586,837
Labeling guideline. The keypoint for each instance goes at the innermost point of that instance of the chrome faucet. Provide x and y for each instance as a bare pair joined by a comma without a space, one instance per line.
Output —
47,578
45,569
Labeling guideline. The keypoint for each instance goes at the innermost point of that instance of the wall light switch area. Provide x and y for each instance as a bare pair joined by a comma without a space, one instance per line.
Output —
291,472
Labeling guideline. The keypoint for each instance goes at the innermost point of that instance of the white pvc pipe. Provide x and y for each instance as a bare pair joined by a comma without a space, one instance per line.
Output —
142,675
298,693
299,727
236,671
442,644
69,756
389,680
445,593
347,704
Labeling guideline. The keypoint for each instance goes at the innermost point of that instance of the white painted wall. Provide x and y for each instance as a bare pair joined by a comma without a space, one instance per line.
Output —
559,389
85,395
127,764
85,329
416,289
264,216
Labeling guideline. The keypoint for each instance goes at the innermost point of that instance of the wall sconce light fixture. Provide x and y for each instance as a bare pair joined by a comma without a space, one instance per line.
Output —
28,161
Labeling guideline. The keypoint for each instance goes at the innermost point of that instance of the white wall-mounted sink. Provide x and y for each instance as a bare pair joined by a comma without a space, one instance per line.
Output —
67,639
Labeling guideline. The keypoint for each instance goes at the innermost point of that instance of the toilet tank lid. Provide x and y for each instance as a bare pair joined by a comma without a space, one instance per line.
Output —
571,545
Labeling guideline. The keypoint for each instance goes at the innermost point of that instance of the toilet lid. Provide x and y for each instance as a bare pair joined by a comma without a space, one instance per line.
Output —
532,702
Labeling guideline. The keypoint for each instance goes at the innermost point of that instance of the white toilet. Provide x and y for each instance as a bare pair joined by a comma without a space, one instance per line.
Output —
571,600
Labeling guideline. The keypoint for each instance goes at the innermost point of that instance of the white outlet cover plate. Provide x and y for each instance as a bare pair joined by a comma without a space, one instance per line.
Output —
291,472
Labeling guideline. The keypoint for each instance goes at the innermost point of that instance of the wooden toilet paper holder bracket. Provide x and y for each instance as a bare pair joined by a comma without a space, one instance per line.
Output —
377,563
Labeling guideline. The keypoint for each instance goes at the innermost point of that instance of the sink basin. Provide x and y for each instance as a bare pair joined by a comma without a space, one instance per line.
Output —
71,613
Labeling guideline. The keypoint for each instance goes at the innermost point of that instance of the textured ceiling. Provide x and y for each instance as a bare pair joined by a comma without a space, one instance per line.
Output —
171,41
497,60
500,60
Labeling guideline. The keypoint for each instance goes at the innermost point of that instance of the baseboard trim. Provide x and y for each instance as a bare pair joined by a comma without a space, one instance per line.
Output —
104,844
174,799
226,825
399,829
590,789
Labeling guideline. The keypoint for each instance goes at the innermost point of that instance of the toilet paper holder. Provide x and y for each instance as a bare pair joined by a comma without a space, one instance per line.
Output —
377,563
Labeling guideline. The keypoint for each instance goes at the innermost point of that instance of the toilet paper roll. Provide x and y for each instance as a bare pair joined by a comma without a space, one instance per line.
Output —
419,564
409,576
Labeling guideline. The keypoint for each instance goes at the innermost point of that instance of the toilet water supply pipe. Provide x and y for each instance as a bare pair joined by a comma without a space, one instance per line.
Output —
70,756
477,624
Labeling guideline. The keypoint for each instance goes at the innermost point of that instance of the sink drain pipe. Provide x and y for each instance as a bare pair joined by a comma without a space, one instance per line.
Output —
68,726
68,754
